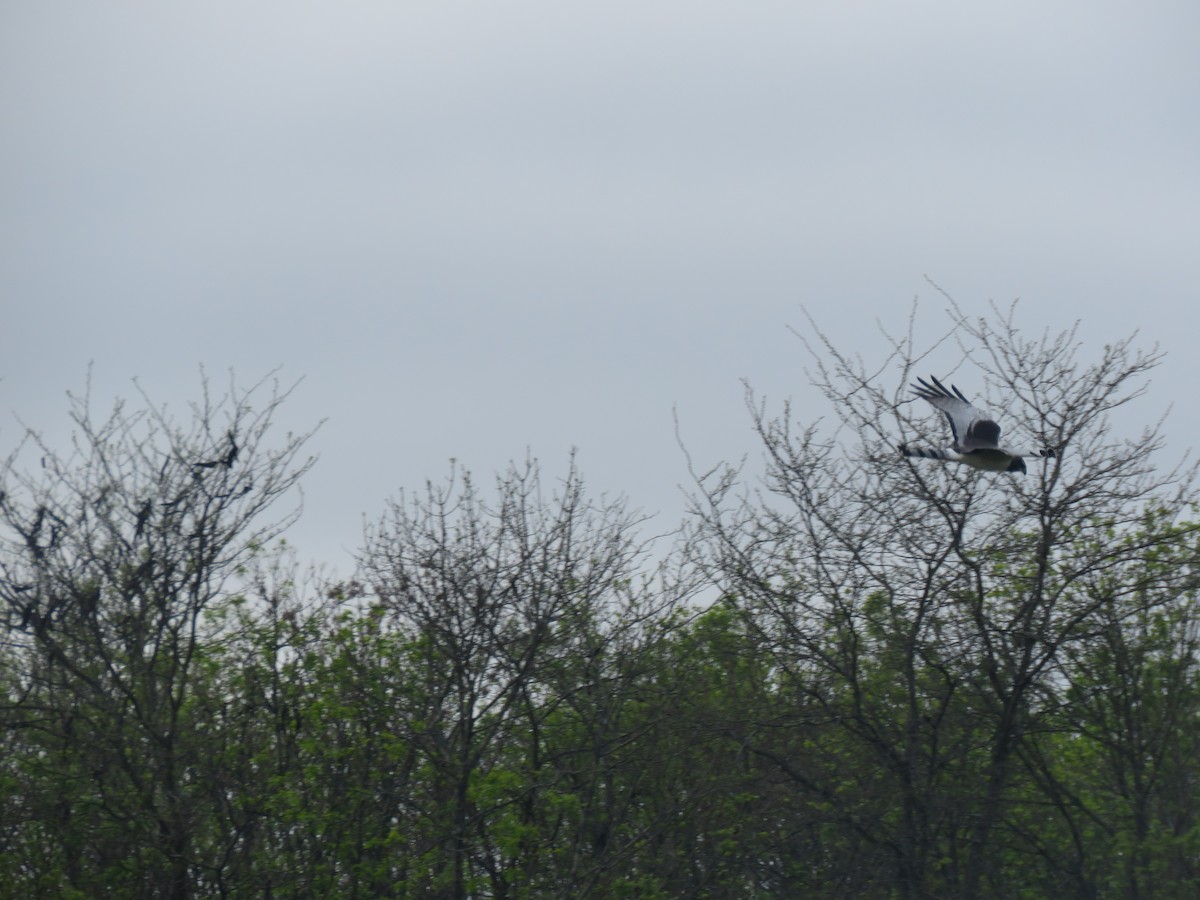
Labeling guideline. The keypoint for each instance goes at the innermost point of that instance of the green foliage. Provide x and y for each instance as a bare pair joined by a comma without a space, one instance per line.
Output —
508,705
694,763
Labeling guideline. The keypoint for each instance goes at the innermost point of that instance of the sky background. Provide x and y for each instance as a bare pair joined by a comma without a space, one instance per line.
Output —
480,230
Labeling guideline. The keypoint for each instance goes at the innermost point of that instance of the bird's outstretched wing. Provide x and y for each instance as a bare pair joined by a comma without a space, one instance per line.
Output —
947,453
972,430
1039,453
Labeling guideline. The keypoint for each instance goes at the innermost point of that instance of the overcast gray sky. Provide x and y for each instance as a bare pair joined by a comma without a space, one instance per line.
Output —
476,228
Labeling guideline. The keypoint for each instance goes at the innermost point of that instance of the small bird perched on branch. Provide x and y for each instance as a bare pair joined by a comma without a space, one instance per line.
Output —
976,437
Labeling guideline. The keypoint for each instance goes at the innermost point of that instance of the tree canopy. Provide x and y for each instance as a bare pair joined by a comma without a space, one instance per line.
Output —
858,675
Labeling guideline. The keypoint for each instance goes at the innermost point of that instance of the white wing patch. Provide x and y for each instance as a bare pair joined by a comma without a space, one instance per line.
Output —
972,430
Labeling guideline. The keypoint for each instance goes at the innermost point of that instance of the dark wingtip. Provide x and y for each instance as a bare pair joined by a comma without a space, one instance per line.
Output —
926,390
953,392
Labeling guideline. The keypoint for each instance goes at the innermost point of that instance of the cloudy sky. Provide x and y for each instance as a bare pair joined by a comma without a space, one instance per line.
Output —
480,228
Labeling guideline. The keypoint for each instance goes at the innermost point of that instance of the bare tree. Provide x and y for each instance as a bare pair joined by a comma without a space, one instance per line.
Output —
109,558
925,608
518,611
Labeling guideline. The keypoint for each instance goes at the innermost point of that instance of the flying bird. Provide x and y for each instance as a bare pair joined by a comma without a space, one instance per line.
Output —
976,437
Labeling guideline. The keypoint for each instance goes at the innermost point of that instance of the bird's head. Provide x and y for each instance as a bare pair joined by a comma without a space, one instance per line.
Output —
1017,465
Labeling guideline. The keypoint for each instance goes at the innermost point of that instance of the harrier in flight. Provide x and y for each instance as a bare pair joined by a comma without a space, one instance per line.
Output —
976,437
